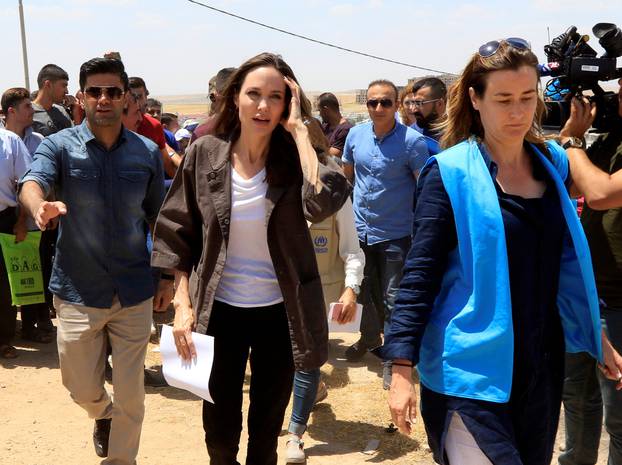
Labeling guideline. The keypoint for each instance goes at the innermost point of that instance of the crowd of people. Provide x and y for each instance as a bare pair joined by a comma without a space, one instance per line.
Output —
448,216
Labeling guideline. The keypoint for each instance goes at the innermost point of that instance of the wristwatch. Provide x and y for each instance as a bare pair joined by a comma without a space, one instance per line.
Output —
355,288
574,143
171,154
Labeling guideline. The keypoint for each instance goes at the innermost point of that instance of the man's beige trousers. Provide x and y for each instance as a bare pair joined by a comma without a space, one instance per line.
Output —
83,333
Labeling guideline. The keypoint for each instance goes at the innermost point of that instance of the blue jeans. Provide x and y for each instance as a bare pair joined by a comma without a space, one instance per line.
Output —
305,390
586,391
384,263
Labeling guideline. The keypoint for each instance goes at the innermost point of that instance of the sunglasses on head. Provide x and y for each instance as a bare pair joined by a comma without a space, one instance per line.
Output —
492,47
384,103
112,92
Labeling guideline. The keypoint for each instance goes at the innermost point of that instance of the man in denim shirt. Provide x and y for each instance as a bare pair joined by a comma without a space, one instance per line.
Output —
109,184
383,157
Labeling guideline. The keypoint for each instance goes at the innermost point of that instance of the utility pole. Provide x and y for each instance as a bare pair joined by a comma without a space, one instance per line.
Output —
24,51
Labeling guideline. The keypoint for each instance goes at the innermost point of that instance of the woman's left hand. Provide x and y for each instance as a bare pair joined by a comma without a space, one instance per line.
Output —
294,120
348,299
612,369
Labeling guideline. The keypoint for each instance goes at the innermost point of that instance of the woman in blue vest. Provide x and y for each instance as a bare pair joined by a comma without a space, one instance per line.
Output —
498,283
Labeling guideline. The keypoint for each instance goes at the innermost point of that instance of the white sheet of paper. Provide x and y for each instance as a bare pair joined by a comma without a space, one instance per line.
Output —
191,375
353,327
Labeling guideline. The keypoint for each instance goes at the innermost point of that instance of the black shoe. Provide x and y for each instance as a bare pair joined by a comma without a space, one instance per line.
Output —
47,326
101,434
154,378
357,351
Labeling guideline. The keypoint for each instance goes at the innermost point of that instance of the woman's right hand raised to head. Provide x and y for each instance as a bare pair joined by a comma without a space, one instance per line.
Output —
184,318
403,399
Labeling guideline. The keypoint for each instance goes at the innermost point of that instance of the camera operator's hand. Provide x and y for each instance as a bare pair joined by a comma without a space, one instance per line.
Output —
582,114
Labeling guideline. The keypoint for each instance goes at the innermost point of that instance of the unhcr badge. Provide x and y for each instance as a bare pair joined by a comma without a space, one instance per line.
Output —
320,242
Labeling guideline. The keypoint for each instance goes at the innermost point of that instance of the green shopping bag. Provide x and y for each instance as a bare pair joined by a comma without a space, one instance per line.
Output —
23,266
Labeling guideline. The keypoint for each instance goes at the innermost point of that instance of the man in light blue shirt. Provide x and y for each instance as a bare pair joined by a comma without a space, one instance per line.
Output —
14,161
17,108
18,111
383,158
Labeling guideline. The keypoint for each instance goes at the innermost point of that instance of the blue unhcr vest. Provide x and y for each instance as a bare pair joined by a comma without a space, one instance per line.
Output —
467,348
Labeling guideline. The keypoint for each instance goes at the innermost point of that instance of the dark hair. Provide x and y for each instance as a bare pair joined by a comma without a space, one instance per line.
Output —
167,118
220,80
126,108
463,121
103,66
439,89
52,73
13,97
283,158
328,100
137,82
151,102
384,82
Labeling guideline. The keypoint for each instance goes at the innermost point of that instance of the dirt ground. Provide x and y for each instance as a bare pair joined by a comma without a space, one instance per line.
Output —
40,425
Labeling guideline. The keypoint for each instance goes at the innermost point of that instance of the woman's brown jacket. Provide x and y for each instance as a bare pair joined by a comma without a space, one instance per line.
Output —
192,232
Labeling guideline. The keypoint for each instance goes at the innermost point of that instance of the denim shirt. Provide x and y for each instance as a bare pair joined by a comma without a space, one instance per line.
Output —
384,180
111,196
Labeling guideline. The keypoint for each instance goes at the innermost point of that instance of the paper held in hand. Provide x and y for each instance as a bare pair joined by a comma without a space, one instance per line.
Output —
333,324
190,375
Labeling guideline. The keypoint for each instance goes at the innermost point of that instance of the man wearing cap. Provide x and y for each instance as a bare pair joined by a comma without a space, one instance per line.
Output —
183,136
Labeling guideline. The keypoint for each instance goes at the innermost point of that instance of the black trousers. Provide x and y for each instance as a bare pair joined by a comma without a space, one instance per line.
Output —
8,313
264,333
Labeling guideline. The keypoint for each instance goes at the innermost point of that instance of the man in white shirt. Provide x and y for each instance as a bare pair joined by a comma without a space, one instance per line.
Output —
14,160
18,111
17,107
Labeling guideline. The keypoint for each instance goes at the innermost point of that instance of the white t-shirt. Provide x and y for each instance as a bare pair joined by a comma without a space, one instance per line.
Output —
248,279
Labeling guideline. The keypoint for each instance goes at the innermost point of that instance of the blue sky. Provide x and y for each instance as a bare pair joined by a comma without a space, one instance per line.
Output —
177,46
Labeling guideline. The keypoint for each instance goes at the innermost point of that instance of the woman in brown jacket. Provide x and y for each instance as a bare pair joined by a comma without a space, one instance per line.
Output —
233,228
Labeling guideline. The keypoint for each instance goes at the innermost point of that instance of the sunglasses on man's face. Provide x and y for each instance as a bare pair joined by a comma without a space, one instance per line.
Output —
384,103
419,103
492,47
112,92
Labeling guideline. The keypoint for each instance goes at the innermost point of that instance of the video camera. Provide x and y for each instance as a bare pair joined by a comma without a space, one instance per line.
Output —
575,67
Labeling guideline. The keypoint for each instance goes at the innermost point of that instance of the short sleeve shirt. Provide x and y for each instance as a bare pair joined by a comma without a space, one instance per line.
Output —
14,161
337,136
384,179
152,129
48,122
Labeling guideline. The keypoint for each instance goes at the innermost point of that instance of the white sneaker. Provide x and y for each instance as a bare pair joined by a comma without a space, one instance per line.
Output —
295,450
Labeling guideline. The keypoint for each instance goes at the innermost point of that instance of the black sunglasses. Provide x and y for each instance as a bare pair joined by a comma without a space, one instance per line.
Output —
384,103
113,92
492,47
